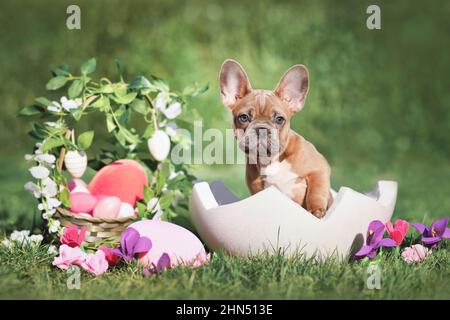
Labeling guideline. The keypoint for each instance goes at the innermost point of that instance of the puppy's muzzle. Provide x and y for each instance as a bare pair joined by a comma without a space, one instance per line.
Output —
260,141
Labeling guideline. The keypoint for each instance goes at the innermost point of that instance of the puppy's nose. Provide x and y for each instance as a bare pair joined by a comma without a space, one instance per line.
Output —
262,131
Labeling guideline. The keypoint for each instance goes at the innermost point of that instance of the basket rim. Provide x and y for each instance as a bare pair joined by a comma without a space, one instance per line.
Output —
69,214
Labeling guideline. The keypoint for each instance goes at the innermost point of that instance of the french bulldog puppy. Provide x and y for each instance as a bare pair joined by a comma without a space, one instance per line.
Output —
276,155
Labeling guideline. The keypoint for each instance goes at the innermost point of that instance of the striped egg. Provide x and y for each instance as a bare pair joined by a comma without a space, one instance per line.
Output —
76,163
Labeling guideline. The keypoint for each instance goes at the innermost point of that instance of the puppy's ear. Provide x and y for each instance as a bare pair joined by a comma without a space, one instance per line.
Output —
234,84
293,87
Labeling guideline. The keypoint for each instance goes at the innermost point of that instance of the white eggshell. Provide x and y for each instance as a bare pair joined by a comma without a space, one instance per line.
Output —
159,145
76,163
182,246
126,210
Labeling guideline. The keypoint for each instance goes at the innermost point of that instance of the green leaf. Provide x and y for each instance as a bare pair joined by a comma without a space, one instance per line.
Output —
140,106
52,143
43,101
124,99
75,89
165,201
140,82
56,83
76,113
195,90
149,131
64,197
102,104
89,66
30,111
110,125
148,194
85,139
62,70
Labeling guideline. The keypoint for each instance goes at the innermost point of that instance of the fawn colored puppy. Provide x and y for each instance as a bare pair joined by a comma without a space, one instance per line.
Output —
276,155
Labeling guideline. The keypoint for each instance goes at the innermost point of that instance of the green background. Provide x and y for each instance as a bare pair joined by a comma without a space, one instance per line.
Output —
378,108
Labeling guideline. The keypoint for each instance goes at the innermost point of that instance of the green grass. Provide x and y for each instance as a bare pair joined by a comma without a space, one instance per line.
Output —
29,275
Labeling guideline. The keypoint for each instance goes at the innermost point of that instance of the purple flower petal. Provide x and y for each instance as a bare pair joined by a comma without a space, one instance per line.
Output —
142,245
372,254
363,252
163,262
431,240
147,272
387,242
439,226
375,232
446,234
419,227
116,251
127,242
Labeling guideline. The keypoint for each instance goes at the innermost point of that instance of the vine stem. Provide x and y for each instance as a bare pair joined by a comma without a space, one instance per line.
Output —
154,114
62,153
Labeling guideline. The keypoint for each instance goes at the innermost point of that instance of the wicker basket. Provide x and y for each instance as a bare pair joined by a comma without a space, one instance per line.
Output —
98,230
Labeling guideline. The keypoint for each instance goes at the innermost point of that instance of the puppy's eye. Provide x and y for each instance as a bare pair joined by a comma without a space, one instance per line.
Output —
279,120
244,118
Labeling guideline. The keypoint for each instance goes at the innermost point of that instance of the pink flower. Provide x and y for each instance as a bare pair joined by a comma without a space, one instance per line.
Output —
112,258
95,263
71,237
398,231
201,259
69,256
415,253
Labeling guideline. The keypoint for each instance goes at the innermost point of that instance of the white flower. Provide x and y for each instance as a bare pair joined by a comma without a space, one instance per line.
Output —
19,236
6,243
29,157
41,207
50,190
53,226
172,111
36,239
54,107
174,174
161,100
171,129
154,207
53,124
33,188
52,250
68,104
52,203
45,157
39,172
65,104
48,214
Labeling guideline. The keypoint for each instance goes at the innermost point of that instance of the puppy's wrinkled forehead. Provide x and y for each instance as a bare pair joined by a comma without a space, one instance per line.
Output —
261,103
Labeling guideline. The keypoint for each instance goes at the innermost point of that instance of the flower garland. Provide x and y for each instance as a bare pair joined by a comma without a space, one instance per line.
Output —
162,111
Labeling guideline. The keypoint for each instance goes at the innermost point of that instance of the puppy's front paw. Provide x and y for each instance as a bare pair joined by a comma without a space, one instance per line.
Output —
319,213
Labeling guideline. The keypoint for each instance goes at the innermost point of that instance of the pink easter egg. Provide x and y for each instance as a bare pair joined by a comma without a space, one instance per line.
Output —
126,210
107,207
82,202
182,246
72,184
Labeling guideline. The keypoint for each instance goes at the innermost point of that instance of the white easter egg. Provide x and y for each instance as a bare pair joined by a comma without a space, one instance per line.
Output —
159,145
76,163
126,210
